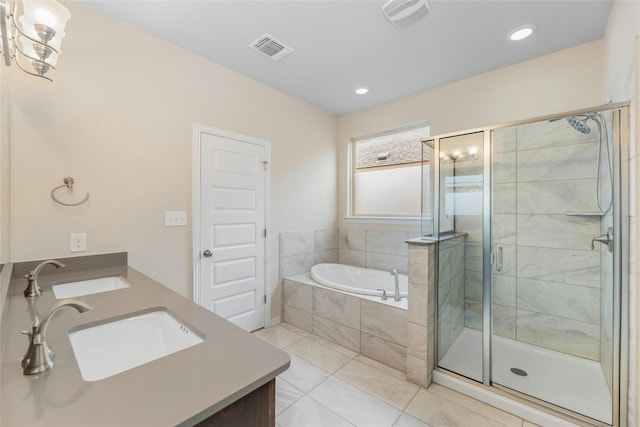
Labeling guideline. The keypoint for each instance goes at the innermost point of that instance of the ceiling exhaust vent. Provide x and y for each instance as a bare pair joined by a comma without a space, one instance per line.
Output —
402,12
269,46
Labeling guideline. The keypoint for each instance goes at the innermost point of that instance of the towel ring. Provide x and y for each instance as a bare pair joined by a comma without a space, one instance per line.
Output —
68,182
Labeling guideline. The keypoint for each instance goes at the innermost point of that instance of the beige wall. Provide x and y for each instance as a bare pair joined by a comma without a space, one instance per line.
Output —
119,118
563,81
5,168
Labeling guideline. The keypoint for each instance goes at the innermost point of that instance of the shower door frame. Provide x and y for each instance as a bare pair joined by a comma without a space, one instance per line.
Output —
620,346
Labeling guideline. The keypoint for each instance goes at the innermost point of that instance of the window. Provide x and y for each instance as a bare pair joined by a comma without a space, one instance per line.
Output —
386,172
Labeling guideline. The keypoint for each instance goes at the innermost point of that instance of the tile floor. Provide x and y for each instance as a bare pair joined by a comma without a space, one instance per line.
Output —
329,385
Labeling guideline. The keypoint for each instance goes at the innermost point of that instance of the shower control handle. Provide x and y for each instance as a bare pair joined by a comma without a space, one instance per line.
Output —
207,253
605,239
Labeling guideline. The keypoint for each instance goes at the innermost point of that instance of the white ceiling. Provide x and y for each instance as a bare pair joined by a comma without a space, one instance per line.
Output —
342,44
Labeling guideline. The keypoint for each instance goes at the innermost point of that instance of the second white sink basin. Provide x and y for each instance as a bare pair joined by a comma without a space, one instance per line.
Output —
110,348
88,287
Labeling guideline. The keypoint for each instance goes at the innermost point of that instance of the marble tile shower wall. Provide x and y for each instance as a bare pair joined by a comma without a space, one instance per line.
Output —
504,282
548,291
606,271
377,249
470,223
606,307
451,291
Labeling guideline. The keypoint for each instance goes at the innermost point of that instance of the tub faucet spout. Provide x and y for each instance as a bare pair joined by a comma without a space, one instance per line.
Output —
396,295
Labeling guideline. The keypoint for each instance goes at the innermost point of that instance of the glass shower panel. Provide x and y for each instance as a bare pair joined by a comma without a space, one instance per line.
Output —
551,290
460,266
427,202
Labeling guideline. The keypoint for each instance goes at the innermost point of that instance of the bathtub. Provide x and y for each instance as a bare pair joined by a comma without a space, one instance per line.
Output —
363,281
341,303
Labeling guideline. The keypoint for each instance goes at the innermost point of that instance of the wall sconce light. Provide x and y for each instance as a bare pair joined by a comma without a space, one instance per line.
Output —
34,41
459,155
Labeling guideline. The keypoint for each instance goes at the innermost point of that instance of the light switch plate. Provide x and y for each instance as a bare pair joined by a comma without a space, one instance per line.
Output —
175,218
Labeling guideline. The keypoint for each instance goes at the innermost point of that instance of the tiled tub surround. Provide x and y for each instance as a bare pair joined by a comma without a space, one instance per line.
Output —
367,325
301,250
401,336
376,249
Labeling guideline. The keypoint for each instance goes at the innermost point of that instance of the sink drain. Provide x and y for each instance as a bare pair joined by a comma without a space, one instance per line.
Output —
520,372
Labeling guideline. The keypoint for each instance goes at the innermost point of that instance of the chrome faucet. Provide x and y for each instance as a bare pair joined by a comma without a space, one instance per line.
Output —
33,289
396,295
39,356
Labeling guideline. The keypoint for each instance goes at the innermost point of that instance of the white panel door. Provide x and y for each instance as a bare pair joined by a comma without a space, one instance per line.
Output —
232,224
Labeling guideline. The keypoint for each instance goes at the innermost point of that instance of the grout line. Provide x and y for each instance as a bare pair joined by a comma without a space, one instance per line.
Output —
413,397
365,391
329,409
302,394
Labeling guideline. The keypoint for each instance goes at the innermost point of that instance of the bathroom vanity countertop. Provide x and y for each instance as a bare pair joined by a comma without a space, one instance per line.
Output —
183,388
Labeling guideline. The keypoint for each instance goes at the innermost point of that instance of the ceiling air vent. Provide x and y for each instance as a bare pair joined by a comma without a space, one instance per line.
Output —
401,12
269,46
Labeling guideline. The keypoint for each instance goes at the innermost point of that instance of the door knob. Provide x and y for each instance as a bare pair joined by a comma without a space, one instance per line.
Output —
207,253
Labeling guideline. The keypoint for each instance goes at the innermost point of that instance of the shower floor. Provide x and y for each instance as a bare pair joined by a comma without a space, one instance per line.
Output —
568,381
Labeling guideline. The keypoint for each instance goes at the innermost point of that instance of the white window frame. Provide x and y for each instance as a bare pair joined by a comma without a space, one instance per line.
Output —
351,168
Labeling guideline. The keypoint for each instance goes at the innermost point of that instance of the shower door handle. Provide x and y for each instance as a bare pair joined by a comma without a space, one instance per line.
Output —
498,257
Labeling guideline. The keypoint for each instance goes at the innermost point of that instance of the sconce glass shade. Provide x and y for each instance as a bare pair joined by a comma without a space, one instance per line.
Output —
28,27
49,13
37,35
35,50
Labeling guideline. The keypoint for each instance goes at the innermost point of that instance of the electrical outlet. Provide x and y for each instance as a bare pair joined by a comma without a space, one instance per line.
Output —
78,242
175,218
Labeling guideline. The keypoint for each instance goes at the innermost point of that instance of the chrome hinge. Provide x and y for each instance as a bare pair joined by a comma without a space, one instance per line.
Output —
265,164
265,298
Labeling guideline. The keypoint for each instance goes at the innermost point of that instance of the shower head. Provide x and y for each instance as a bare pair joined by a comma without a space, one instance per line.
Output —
579,123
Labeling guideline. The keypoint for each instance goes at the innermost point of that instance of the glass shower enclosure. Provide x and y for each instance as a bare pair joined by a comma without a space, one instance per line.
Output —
530,229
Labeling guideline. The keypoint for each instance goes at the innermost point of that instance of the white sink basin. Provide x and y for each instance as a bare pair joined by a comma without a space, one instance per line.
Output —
110,348
88,287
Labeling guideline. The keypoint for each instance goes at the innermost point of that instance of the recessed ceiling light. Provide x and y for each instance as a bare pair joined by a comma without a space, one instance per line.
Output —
362,90
521,33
